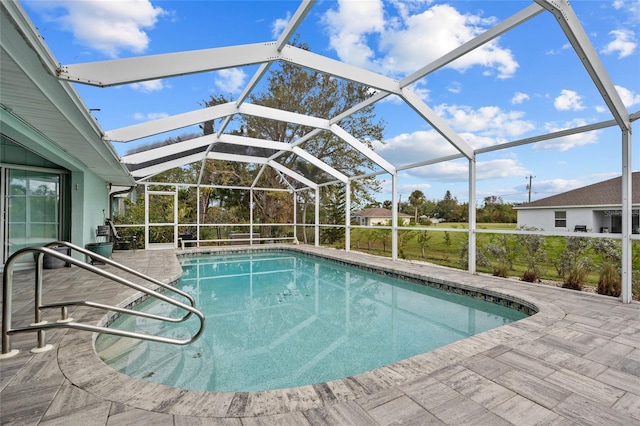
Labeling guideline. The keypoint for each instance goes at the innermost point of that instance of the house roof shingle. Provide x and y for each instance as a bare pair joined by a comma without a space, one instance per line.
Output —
606,193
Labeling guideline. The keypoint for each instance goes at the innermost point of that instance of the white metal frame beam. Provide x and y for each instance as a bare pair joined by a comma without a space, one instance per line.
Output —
158,168
576,35
362,148
438,124
115,72
492,33
152,67
167,124
168,150
279,167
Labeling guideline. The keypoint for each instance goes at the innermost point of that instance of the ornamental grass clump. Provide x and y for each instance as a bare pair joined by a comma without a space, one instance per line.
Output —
610,278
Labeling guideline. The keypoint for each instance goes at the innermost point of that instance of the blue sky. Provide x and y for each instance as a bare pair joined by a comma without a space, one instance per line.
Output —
527,82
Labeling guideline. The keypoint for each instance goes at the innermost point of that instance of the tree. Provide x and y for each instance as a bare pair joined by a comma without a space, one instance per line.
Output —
423,239
304,91
448,208
416,200
335,211
495,210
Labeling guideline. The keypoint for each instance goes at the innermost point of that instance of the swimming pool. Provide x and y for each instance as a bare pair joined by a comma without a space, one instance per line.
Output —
281,319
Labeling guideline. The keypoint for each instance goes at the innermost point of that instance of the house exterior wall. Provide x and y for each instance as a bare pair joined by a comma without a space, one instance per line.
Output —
600,219
377,221
371,221
88,195
546,218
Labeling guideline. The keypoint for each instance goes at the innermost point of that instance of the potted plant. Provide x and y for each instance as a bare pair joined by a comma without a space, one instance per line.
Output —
52,262
104,248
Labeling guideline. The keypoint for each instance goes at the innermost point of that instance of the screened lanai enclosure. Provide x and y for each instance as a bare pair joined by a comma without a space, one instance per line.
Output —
298,182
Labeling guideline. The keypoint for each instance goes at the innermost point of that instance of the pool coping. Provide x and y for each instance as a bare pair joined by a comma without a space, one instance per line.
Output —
81,365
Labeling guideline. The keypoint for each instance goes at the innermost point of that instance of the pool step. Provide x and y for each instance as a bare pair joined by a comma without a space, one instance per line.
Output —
115,347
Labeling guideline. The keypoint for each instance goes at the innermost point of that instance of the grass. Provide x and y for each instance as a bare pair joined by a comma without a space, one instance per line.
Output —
444,248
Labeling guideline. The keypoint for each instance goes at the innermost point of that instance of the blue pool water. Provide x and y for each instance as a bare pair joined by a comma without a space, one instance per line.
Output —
280,319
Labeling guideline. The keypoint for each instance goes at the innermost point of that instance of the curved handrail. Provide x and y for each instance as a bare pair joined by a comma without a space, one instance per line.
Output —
40,326
110,262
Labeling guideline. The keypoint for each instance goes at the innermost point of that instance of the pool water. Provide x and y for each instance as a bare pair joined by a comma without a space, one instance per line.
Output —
280,319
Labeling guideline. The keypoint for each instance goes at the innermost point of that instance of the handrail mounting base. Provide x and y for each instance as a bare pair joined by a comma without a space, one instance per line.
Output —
45,348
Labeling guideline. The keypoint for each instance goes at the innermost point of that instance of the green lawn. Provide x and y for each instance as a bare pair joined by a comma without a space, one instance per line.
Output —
444,248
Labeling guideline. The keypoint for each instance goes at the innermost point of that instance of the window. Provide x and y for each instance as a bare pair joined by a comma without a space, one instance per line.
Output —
561,219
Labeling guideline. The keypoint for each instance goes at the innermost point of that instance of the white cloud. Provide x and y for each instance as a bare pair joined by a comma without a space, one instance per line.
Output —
420,89
148,86
458,171
623,43
349,27
483,127
230,80
106,26
407,148
568,100
629,99
567,142
279,25
489,121
519,98
407,43
149,116
404,189
549,187
455,87
565,46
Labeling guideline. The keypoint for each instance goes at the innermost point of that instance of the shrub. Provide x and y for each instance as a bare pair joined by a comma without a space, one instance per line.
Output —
609,282
463,255
500,250
403,238
530,276
573,265
532,248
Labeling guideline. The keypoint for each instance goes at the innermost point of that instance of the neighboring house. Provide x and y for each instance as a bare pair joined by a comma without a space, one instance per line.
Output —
56,171
597,207
379,216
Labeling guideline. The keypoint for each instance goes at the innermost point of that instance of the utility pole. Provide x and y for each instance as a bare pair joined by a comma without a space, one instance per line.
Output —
529,186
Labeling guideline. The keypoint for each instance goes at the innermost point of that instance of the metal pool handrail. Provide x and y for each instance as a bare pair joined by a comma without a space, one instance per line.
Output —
40,326
138,274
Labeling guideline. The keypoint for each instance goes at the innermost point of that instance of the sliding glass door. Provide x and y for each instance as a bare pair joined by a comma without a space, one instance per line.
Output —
32,209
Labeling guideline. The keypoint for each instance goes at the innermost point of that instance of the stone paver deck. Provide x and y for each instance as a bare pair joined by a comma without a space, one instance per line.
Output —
577,361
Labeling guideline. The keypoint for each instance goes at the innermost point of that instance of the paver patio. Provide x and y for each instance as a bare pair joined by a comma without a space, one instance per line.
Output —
577,361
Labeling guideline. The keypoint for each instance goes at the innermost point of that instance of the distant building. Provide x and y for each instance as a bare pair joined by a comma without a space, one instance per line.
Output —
379,216
596,208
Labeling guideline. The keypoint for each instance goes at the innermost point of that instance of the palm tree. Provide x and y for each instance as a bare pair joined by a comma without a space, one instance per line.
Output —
417,199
